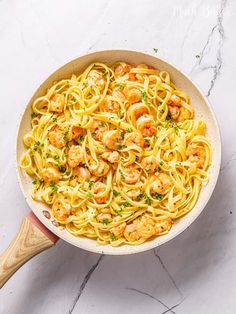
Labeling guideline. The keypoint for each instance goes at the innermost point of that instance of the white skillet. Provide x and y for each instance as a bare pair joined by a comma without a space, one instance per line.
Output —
38,233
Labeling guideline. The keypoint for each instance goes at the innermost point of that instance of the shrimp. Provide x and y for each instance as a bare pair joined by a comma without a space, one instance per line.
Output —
57,103
130,174
50,174
140,76
110,106
122,69
99,169
111,139
60,210
162,184
95,78
116,92
149,163
118,230
134,138
184,114
131,233
174,101
196,155
75,156
112,157
98,189
163,226
104,217
138,110
146,227
133,95
57,137
174,112
82,174
146,125
133,193
76,132
97,129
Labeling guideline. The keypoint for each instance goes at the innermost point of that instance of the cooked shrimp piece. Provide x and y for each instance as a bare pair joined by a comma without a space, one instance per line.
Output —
146,125
149,163
184,114
163,225
111,139
112,157
57,103
130,174
146,227
133,95
116,92
50,174
95,78
98,190
110,106
118,230
75,156
57,137
196,155
99,169
140,76
131,233
174,112
81,173
97,129
134,138
133,193
138,110
162,184
76,132
122,69
60,210
104,217
174,101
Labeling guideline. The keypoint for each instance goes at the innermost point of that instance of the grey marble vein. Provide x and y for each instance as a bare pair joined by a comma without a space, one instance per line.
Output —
168,309
168,273
83,285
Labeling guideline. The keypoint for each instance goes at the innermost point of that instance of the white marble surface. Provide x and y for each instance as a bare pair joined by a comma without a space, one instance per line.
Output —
196,272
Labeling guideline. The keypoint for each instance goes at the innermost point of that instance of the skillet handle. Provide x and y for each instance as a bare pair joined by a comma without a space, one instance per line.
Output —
32,238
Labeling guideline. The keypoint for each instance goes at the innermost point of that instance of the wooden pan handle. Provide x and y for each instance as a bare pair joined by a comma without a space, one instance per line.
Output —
31,239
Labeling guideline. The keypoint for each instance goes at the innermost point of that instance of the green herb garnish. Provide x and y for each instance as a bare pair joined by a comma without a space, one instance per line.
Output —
113,238
129,130
90,195
115,193
54,187
155,50
158,196
121,174
91,182
105,221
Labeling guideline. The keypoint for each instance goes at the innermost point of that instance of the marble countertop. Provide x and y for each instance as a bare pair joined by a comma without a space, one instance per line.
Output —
196,272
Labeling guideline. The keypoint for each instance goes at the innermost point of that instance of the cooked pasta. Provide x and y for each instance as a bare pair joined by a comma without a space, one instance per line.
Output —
116,153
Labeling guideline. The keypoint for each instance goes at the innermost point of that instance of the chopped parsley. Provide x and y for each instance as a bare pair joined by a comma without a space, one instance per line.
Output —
161,163
145,197
56,157
91,182
33,115
105,221
90,195
122,135
80,139
122,87
121,174
158,196
144,97
54,187
62,168
35,182
129,130
54,120
65,136
113,238
126,204
176,127
115,193
118,212
155,50
119,146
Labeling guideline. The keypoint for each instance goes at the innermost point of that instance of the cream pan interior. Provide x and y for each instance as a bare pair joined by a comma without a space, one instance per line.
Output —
202,110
